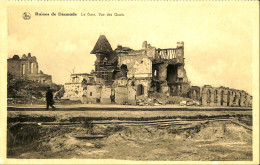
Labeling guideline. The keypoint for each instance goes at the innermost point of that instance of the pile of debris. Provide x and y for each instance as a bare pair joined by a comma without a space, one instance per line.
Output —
162,99
149,101
23,91
190,103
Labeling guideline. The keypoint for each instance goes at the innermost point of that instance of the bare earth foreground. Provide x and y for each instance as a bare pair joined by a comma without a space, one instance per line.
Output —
131,135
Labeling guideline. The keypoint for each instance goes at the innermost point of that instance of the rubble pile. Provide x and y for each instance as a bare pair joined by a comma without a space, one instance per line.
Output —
162,99
23,91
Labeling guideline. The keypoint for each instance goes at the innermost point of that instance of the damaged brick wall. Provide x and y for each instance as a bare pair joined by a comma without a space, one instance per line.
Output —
73,91
138,65
106,95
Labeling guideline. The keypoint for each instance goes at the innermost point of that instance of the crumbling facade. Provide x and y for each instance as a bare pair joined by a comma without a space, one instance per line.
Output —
124,75
77,87
27,67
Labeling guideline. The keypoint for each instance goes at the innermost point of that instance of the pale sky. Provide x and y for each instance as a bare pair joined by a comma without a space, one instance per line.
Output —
218,37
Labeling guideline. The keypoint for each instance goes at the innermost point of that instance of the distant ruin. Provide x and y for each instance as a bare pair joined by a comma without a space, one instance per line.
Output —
125,75
27,67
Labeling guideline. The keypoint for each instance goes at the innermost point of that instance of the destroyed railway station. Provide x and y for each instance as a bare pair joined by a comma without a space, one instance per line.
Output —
124,76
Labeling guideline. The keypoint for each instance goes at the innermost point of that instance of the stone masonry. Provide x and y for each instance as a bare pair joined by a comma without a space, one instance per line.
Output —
27,67
124,75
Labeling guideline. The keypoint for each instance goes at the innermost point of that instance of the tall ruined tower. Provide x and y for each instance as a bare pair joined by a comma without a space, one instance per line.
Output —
105,60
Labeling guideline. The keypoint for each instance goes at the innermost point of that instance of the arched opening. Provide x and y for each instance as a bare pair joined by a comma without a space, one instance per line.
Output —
216,96
23,69
171,73
140,90
228,98
222,98
194,95
239,99
234,97
208,96
31,69
123,70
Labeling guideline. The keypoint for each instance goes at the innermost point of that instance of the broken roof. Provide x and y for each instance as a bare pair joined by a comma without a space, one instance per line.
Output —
102,45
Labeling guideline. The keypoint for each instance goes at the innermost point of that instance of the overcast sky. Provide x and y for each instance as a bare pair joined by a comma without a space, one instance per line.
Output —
218,37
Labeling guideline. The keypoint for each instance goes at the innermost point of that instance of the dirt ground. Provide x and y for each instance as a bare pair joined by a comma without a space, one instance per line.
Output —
180,139
71,115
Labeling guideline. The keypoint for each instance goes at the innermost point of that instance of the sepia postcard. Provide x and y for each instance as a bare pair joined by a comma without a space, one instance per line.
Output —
129,82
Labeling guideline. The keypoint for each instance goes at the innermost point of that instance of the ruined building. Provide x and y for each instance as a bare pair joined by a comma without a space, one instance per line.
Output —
27,67
77,87
125,75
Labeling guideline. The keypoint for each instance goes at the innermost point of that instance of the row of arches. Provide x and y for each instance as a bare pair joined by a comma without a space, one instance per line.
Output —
224,98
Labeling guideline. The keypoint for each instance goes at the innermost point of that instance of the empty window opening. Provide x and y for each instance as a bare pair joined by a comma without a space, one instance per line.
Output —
222,98
105,75
158,89
123,70
171,73
228,98
234,98
180,88
216,96
156,74
140,90
208,96
133,83
84,82
31,69
23,69
194,95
